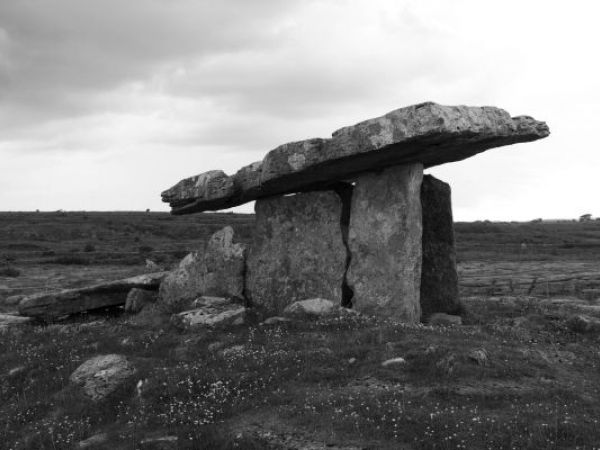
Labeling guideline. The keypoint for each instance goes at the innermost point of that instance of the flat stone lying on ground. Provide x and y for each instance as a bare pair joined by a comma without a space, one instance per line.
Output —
425,133
70,301
385,243
297,251
102,375
210,312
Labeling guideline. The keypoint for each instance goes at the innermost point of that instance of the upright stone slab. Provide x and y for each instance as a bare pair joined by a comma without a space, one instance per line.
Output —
225,266
385,243
297,251
439,279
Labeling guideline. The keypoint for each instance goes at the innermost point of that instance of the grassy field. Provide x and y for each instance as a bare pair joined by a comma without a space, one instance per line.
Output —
514,376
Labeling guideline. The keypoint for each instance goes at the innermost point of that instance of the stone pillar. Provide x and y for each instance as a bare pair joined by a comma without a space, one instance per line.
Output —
385,243
297,252
439,279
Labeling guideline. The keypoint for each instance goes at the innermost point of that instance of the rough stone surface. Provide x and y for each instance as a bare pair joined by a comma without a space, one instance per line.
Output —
314,307
217,271
137,299
210,187
182,285
69,301
393,362
425,133
9,320
297,251
582,323
225,265
385,243
211,312
439,278
102,375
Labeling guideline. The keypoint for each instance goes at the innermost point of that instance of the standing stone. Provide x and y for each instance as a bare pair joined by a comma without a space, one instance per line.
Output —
385,243
224,264
137,299
439,279
297,252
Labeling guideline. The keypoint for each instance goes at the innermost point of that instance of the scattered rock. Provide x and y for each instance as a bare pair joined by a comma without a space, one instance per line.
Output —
352,361
297,251
314,307
137,299
385,243
97,439
581,323
16,371
12,320
444,319
394,362
275,320
216,315
102,375
151,266
233,350
160,442
69,301
480,356
439,278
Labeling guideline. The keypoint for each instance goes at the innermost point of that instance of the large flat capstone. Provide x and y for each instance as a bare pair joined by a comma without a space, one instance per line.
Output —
385,243
439,279
427,133
297,252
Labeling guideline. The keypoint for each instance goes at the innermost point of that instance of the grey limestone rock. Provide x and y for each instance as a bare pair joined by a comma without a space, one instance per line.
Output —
102,375
297,251
385,243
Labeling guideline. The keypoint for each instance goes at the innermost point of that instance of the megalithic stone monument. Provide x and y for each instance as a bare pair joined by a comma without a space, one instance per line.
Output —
353,218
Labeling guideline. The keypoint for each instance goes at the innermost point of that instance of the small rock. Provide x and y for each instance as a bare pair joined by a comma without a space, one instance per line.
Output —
214,346
151,266
16,371
209,317
479,356
444,319
314,307
101,375
137,299
352,361
92,441
393,362
233,350
275,320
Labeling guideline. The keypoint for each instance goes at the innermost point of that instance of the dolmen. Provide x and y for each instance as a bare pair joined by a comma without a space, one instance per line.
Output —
353,218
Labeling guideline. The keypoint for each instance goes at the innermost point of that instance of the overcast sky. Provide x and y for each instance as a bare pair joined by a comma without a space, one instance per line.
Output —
104,104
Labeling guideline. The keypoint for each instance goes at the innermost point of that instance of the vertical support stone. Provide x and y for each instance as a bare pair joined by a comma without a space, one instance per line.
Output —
297,252
439,279
385,243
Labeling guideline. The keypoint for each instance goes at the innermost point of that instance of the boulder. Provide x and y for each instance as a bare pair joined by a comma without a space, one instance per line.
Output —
218,271
297,251
385,243
137,299
439,278
314,307
102,375
581,323
425,133
70,301
183,284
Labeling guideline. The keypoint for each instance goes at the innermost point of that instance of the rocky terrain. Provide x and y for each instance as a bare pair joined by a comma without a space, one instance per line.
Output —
518,369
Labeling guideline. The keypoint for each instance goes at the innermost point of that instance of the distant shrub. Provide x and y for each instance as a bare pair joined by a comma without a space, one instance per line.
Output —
10,272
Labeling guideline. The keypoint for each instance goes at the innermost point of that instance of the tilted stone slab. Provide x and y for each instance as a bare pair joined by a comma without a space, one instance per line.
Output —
298,252
439,278
70,301
426,133
385,243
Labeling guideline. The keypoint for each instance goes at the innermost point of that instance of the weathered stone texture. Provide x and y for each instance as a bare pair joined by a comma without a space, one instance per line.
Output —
137,299
425,133
102,375
385,243
439,279
297,252
217,271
